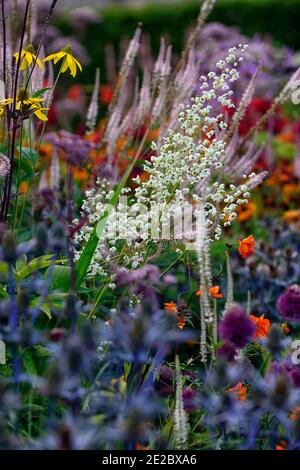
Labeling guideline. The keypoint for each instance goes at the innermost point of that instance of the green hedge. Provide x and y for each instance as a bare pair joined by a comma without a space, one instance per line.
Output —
280,18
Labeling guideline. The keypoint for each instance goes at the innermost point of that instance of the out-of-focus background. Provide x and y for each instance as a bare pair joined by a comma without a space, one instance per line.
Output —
103,27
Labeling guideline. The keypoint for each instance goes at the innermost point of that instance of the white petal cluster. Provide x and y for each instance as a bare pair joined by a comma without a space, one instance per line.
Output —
187,168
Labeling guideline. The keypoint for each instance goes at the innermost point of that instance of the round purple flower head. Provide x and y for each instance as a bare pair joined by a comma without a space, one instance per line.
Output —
288,304
236,327
227,352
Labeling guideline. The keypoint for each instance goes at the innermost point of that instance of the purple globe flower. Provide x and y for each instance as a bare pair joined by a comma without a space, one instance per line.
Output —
288,304
236,327
227,352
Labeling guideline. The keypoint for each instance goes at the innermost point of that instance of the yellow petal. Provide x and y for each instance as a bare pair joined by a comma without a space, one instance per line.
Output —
50,57
72,65
38,113
28,58
65,66
78,64
39,62
24,64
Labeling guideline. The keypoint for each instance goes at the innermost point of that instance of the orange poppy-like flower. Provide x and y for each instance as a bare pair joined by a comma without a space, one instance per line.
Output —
246,247
181,322
170,307
240,391
285,328
247,211
262,326
281,446
214,291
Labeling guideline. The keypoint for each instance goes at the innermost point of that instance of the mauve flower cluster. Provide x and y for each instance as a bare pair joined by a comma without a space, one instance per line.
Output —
76,150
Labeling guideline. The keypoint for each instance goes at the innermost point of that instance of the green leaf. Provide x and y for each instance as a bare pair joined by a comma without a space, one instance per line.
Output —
30,154
29,365
60,278
35,264
3,293
87,254
40,92
26,168
55,300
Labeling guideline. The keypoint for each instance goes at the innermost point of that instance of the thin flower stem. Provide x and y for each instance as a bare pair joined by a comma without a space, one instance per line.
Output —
46,24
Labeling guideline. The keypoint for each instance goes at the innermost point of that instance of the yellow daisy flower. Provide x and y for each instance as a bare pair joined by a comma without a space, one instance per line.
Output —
27,104
28,57
69,61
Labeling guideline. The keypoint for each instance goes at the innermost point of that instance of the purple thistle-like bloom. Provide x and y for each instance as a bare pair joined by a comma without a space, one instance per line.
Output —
288,304
76,149
236,327
227,351
189,399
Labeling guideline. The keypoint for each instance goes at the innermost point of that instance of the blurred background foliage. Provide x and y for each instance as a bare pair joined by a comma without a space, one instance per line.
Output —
275,19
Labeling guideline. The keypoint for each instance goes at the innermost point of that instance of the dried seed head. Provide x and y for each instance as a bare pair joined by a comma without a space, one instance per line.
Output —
4,165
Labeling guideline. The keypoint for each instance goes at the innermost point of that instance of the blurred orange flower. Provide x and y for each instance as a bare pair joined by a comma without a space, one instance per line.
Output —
285,328
170,307
247,211
240,390
262,326
246,246
140,447
281,446
214,291
292,216
181,322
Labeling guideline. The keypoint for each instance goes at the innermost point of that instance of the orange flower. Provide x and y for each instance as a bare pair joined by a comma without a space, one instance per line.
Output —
290,191
240,390
246,246
214,291
246,212
291,216
170,307
262,326
285,328
140,447
287,137
181,322
23,187
281,446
